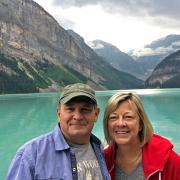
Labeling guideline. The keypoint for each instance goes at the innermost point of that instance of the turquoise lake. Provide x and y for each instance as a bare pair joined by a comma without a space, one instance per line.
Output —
24,116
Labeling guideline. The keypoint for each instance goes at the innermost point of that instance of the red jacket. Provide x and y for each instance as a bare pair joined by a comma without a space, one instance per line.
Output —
159,161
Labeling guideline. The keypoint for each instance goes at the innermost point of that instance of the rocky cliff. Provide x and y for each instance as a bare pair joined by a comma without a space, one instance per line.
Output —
43,52
166,74
27,31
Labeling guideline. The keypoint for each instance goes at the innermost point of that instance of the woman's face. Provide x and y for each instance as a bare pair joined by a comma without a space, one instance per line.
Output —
124,125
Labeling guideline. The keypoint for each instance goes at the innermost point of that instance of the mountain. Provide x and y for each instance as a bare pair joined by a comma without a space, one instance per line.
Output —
115,76
166,74
37,54
118,59
152,54
169,43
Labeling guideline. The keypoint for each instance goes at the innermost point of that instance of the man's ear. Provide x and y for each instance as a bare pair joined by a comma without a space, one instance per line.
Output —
58,113
97,111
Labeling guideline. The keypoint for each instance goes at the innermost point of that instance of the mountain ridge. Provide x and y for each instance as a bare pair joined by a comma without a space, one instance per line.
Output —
46,55
152,54
117,58
166,74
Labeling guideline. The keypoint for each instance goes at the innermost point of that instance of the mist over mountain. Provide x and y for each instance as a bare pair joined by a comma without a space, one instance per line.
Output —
145,61
152,54
117,58
170,43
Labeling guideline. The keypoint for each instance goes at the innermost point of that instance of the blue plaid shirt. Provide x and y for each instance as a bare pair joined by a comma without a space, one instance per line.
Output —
50,157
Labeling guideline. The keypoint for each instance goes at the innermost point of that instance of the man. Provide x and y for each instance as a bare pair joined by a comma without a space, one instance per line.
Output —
70,151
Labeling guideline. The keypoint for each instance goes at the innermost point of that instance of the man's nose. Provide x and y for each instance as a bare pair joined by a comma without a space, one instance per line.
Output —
77,115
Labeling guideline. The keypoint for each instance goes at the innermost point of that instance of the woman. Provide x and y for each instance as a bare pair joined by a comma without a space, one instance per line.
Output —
134,151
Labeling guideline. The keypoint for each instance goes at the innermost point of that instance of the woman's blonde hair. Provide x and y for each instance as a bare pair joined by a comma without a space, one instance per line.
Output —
114,102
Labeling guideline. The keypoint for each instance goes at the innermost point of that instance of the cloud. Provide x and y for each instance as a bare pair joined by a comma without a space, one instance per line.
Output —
78,3
176,43
127,24
169,8
162,13
65,23
95,45
152,52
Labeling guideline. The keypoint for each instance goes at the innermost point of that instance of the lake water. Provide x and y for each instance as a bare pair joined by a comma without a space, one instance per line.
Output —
25,116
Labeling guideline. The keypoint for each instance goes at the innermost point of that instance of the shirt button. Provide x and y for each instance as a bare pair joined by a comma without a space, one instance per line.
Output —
74,169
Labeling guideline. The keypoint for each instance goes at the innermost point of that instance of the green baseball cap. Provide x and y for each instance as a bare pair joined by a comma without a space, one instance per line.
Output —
75,90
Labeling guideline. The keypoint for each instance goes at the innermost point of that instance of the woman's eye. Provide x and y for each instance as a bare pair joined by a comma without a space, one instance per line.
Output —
128,117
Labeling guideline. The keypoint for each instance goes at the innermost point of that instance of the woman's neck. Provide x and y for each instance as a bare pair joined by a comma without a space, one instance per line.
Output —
128,157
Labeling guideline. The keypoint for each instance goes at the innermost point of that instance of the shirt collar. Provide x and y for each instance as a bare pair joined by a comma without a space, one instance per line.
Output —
60,142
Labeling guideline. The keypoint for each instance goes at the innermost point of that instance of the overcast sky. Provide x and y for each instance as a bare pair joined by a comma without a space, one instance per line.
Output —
127,24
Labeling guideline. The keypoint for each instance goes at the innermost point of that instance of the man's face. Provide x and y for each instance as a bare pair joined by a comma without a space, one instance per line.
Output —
76,120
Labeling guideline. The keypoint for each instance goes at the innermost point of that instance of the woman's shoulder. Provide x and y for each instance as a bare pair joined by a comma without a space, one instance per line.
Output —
175,157
160,141
172,169
159,149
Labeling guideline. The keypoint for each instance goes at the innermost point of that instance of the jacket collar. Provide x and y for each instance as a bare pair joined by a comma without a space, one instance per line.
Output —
155,154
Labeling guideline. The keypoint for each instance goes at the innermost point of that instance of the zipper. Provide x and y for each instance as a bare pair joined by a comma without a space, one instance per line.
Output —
153,174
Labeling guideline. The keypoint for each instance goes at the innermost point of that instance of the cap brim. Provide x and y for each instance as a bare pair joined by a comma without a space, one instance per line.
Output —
66,99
